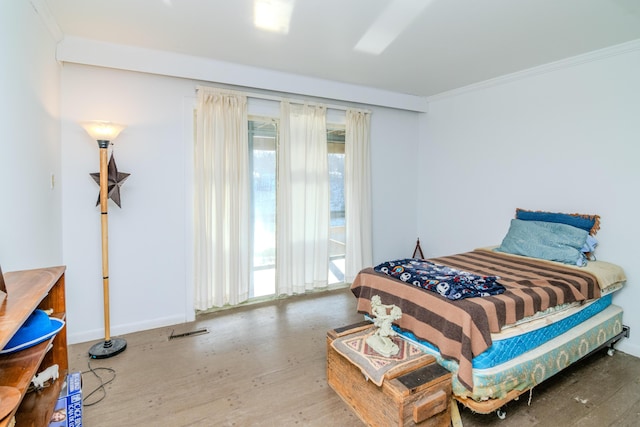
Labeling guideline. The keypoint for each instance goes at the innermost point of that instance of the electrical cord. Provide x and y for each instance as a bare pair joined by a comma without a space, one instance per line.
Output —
102,385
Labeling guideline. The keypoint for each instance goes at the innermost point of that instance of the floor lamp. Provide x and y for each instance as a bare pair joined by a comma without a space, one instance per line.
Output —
104,133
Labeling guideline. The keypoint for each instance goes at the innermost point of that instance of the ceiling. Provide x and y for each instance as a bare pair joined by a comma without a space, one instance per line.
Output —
432,46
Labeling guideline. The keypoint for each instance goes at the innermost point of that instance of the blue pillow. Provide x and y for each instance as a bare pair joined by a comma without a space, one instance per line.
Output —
590,223
545,240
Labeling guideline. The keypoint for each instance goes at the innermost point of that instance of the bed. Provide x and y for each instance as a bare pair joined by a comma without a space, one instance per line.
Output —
544,303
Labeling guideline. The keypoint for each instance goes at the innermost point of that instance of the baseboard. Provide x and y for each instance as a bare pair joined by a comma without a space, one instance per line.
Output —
626,347
117,330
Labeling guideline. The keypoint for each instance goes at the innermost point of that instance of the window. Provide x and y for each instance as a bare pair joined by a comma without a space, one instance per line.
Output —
337,235
263,139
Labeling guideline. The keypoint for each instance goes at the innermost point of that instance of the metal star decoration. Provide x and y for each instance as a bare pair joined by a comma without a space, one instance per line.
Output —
115,180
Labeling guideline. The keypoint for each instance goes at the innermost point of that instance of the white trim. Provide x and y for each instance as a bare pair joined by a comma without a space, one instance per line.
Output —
189,108
91,52
626,347
596,55
128,328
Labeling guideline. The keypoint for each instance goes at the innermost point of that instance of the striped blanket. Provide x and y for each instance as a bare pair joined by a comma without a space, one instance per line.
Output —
462,329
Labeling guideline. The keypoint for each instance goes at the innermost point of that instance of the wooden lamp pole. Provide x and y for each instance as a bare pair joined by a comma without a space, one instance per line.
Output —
104,132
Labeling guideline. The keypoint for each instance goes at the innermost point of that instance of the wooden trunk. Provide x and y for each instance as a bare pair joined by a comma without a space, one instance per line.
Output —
418,397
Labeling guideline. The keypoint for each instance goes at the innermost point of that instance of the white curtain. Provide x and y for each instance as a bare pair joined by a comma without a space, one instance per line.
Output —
303,200
357,193
221,199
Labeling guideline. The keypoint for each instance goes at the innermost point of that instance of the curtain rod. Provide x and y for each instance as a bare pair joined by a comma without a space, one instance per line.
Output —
294,101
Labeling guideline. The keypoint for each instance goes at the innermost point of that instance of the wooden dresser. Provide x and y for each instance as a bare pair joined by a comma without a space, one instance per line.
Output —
27,290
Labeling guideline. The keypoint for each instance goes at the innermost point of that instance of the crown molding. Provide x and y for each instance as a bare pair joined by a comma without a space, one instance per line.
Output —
596,55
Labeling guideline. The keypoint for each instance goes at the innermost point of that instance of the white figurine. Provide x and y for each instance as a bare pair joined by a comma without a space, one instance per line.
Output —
51,373
384,316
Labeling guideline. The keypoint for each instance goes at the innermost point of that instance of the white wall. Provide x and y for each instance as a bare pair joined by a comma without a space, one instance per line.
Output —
147,236
150,237
395,191
565,140
30,209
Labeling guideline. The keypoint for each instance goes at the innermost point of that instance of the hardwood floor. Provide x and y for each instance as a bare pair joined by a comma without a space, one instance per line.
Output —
264,365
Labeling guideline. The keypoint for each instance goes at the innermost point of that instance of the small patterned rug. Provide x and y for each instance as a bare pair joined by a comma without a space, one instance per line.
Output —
373,365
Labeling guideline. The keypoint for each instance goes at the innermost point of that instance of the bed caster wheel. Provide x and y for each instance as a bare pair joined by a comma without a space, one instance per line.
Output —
501,414
611,351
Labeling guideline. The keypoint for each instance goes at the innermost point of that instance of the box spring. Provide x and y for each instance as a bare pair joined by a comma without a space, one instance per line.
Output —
497,385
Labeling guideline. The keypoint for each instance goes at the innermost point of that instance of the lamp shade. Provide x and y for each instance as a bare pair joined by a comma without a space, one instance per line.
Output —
102,131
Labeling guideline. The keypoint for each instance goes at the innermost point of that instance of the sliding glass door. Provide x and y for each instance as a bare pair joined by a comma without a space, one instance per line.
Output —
263,136
337,235
263,139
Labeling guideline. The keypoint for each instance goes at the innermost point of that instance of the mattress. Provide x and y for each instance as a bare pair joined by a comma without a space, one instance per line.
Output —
506,348
515,341
536,365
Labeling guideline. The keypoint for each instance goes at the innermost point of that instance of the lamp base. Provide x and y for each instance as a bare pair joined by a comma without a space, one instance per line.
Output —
105,349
